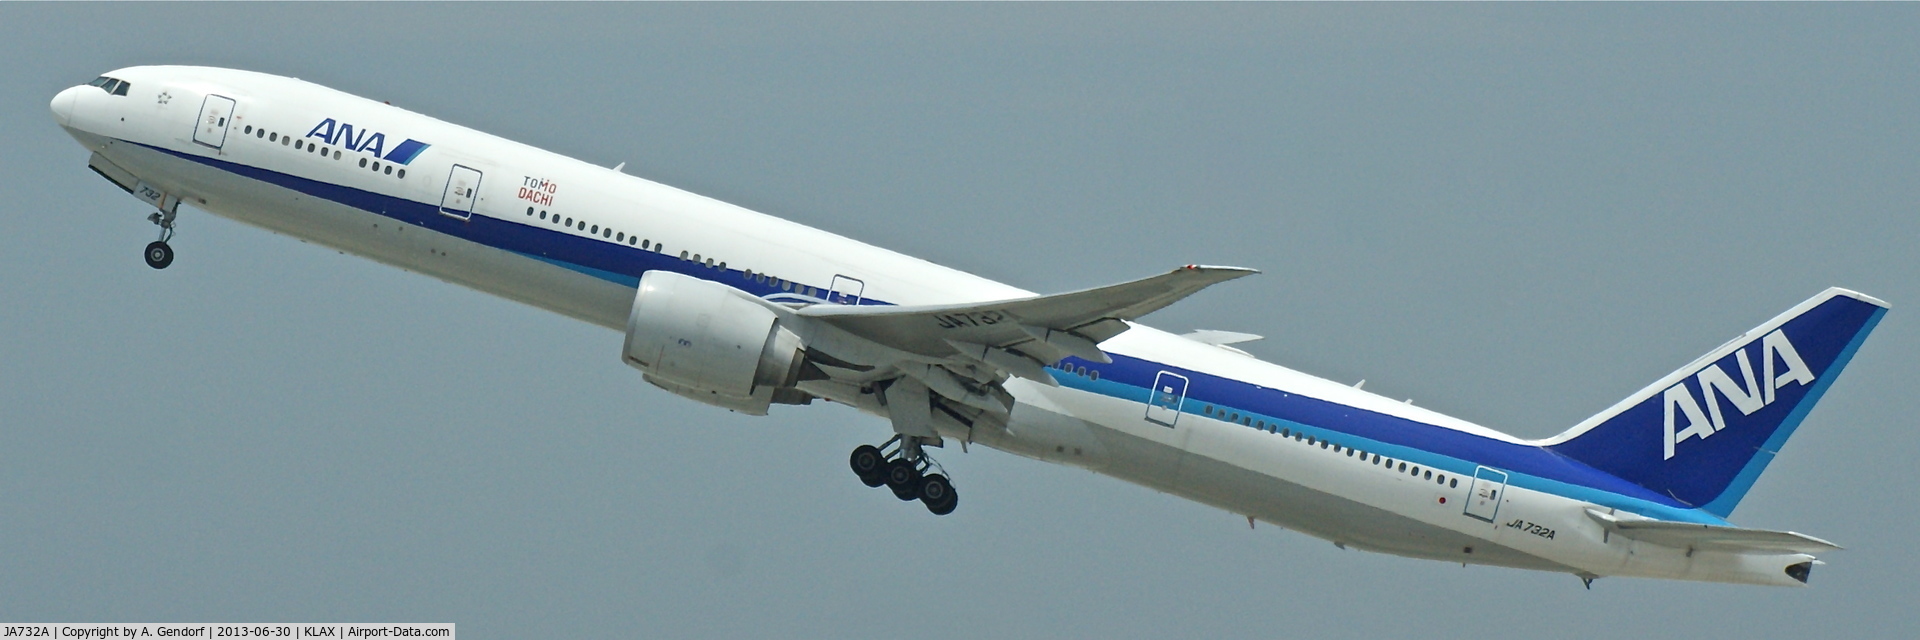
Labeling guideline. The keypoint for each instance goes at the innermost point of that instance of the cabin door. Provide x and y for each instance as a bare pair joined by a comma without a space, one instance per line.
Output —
215,112
463,188
846,290
1483,496
1168,393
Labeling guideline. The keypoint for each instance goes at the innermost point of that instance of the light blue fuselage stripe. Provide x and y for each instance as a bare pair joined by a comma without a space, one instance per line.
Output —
1556,475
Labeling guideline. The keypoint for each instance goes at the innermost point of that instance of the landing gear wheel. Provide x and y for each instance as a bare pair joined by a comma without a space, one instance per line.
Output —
868,463
904,479
946,506
938,494
159,255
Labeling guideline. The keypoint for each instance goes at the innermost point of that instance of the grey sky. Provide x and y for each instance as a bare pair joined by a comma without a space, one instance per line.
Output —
1517,214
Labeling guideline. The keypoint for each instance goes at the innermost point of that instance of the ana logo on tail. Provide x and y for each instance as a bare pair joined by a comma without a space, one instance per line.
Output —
1715,383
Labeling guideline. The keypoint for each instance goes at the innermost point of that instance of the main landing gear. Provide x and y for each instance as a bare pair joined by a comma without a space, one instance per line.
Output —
159,253
903,467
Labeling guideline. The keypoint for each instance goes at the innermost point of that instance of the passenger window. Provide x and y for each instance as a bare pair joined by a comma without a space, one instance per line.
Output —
389,170
630,240
622,237
529,211
260,133
286,140
1453,484
249,130
325,151
596,228
363,163
376,166
274,138
1096,374
336,154
403,174
683,254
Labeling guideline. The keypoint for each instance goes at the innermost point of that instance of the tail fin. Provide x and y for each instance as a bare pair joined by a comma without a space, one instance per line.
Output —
1704,433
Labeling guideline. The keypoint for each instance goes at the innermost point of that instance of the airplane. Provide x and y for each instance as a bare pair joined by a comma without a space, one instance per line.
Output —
745,311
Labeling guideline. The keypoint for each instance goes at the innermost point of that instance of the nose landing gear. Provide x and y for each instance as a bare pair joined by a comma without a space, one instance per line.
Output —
903,467
159,253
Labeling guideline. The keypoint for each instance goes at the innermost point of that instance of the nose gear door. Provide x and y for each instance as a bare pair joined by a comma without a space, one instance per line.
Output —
211,129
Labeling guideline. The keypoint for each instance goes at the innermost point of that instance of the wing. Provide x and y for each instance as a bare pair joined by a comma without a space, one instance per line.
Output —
1043,328
950,361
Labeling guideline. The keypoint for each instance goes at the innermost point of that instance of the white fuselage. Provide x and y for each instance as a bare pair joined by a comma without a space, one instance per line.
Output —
280,168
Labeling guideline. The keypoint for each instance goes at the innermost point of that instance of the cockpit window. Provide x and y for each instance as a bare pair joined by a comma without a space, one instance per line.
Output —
113,86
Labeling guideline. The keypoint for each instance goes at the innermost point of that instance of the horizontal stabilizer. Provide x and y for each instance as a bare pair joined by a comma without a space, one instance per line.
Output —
1220,338
1050,326
1687,535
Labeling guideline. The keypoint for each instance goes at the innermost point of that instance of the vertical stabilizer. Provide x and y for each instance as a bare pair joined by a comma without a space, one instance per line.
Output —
1704,433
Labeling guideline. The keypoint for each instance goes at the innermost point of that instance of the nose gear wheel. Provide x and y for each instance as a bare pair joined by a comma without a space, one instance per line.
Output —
159,254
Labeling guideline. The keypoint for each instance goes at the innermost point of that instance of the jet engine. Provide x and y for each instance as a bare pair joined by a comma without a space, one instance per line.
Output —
712,343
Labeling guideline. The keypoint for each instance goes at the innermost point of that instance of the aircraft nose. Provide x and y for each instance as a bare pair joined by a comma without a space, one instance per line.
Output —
63,105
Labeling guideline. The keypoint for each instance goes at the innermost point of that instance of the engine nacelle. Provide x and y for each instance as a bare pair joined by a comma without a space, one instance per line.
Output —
710,342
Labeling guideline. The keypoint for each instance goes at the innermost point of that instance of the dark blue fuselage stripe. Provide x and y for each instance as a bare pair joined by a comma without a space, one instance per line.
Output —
1415,442
601,258
1126,378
